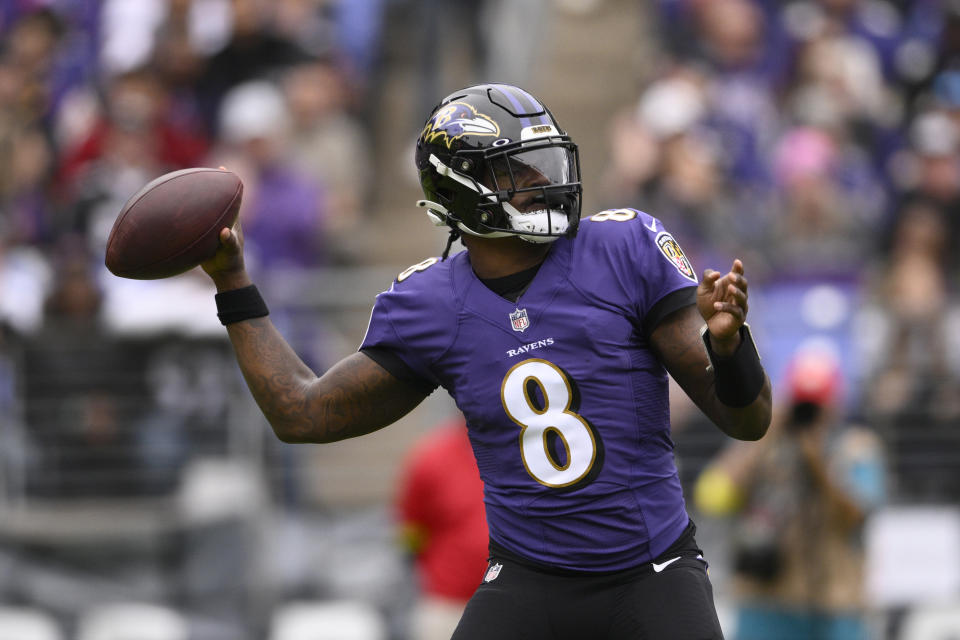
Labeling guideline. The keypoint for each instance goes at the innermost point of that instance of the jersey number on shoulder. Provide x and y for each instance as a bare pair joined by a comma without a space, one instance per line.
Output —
420,266
557,445
617,215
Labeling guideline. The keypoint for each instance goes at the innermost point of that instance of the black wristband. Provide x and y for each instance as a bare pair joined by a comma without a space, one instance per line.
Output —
740,376
240,304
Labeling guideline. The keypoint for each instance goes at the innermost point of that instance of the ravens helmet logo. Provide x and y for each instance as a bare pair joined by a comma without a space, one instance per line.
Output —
455,120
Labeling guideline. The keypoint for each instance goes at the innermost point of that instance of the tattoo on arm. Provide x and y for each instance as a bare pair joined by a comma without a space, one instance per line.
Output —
354,397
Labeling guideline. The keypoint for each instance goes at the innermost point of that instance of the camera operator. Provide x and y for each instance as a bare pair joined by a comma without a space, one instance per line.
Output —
800,499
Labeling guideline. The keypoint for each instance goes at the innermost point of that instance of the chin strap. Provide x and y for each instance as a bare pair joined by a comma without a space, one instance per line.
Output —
438,216
453,237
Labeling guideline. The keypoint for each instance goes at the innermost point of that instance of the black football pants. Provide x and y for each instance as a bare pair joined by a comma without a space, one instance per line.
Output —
524,603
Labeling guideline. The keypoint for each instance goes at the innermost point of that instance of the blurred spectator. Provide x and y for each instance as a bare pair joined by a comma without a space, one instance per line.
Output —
800,497
26,216
179,64
839,81
79,387
913,294
666,158
441,514
254,51
27,157
282,210
741,109
132,142
874,22
112,416
492,41
634,158
935,139
330,146
31,48
839,85
53,48
438,22
348,33
729,35
137,104
821,222
931,167
733,33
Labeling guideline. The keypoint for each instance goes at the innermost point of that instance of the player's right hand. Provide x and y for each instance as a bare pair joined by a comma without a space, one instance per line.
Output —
226,267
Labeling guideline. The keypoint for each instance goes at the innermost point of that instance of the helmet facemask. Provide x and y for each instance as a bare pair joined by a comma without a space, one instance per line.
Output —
530,189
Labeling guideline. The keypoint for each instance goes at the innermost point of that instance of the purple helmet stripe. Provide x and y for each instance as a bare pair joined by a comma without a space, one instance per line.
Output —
506,90
544,119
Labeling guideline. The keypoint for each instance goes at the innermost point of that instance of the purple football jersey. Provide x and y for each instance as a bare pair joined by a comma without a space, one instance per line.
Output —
566,404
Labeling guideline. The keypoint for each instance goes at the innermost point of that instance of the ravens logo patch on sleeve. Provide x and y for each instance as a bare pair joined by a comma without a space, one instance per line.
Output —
672,251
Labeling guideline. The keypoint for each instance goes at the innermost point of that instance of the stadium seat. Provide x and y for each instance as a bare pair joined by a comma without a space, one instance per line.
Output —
331,620
215,489
905,551
123,621
932,622
27,624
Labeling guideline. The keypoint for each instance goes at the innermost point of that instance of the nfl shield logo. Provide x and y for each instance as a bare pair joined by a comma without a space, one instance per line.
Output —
519,320
492,572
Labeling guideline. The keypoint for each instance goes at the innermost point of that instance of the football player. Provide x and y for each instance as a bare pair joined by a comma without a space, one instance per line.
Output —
555,336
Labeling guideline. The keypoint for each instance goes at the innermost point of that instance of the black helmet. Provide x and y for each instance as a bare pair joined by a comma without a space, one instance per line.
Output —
479,148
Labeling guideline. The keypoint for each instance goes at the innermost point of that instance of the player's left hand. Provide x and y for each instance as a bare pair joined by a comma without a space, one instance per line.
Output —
722,301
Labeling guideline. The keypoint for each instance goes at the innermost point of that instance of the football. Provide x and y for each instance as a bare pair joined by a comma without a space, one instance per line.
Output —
173,223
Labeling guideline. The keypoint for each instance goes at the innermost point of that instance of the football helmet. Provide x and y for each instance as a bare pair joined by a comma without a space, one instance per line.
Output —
487,145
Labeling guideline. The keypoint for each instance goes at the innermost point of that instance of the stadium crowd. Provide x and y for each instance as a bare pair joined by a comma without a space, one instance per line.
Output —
816,139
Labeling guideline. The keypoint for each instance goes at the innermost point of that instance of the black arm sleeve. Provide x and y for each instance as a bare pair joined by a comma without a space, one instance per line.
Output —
666,305
399,369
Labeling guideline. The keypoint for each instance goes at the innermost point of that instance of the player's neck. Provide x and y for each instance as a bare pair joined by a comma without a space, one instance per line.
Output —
499,257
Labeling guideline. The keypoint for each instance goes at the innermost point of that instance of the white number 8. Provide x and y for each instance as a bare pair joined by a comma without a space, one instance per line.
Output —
617,215
420,266
572,432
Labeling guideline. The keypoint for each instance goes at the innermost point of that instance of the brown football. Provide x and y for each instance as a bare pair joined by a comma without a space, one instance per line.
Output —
173,223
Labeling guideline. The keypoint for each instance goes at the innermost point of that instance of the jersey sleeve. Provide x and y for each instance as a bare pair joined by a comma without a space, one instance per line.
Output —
662,265
407,323
649,266
673,301
396,367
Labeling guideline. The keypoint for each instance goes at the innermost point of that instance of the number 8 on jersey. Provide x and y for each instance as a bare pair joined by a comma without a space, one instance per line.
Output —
554,418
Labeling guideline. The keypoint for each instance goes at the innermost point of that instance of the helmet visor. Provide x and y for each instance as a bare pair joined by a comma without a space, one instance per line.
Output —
523,168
